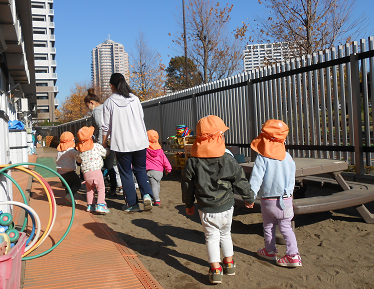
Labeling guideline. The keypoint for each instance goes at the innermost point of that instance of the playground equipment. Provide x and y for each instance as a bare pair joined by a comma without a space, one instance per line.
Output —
14,243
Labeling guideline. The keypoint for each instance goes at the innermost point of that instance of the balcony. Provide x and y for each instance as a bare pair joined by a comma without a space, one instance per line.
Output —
55,89
41,50
45,76
52,50
51,25
52,37
51,12
40,37
38,11
56,102
39,24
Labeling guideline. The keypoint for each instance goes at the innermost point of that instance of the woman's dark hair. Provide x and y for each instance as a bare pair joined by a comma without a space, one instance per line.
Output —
120,84
91,96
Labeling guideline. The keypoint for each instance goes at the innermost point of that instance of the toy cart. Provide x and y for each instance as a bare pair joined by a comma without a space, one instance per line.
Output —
177,155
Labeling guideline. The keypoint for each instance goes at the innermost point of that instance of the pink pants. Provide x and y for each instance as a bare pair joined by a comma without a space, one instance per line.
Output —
273,215
95,179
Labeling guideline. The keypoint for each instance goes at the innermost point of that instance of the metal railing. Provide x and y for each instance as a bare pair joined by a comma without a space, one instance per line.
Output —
325,99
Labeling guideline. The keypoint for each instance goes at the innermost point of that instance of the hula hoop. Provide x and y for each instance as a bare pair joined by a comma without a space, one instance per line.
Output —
72,206
28,208
52,211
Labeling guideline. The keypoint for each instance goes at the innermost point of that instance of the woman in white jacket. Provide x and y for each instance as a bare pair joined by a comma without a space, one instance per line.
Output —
123,120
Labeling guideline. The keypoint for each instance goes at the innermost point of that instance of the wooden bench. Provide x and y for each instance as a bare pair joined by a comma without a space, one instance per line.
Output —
340,200
352,194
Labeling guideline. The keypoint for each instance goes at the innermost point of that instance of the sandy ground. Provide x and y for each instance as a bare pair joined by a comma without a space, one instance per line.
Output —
336,247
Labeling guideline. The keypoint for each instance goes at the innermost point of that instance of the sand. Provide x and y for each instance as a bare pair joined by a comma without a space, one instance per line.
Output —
336,247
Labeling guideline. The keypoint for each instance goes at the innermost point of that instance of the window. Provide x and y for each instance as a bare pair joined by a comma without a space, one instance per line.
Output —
37,5
42,96
43,109
41,84
40,44
41,70
38,18
39,31
41,57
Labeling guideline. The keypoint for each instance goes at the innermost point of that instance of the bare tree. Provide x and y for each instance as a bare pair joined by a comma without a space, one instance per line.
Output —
217,53
308,25
147,75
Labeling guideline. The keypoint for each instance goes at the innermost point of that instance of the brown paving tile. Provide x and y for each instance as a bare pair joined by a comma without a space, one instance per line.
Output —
91,255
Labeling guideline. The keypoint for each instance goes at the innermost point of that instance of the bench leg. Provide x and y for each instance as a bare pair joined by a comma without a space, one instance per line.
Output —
338,177
365,214
278,236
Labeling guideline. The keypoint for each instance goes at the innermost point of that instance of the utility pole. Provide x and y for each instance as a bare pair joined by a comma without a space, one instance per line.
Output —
185,47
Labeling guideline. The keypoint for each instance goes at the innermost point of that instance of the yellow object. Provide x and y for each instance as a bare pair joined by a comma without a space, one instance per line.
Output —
4,244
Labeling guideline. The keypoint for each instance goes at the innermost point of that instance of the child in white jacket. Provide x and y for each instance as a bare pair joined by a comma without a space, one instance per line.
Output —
91,159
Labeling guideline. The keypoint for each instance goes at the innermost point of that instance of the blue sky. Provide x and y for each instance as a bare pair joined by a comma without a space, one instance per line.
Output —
81,25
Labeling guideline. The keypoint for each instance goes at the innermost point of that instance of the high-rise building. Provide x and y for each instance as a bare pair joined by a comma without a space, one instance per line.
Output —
107,58
258,55
45,63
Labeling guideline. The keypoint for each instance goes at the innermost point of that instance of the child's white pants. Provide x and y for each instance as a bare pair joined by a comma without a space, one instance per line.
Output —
217,229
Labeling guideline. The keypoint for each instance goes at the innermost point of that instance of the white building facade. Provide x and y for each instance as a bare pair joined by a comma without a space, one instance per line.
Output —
107,58
45,59
258,55
17,84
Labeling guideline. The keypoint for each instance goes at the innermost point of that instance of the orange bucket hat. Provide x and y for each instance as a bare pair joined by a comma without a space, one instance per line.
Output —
270,142
66,141
85,139
209,142
153,140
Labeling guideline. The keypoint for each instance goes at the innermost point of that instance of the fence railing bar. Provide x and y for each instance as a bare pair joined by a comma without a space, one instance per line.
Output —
316,66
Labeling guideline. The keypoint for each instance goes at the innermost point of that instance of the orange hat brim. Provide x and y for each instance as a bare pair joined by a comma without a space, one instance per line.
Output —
268,148
212,148
86,146
64,146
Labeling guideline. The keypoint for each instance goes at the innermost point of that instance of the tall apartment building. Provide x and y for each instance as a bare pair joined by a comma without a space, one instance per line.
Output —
258,55
45,63
107,58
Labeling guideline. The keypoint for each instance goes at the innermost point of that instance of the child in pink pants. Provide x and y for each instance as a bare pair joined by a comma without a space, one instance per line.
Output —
91,159
273,180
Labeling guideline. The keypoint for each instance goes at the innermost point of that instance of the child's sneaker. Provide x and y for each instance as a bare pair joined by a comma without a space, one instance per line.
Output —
229,268
102,208
134,208
290,261
271,255
157,203
90,208
147,201
215,275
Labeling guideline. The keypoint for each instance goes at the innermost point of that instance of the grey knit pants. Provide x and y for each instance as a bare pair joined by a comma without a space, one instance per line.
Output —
154,180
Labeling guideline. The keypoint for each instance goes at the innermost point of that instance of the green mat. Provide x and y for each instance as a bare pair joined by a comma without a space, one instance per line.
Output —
48,162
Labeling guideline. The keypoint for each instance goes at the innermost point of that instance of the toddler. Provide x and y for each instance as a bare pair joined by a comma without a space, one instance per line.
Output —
91,159
65,164
273,179
156,163
210,176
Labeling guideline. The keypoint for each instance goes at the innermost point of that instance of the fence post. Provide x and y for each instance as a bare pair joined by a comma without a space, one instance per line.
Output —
252,125
194,112
356,101
161,134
